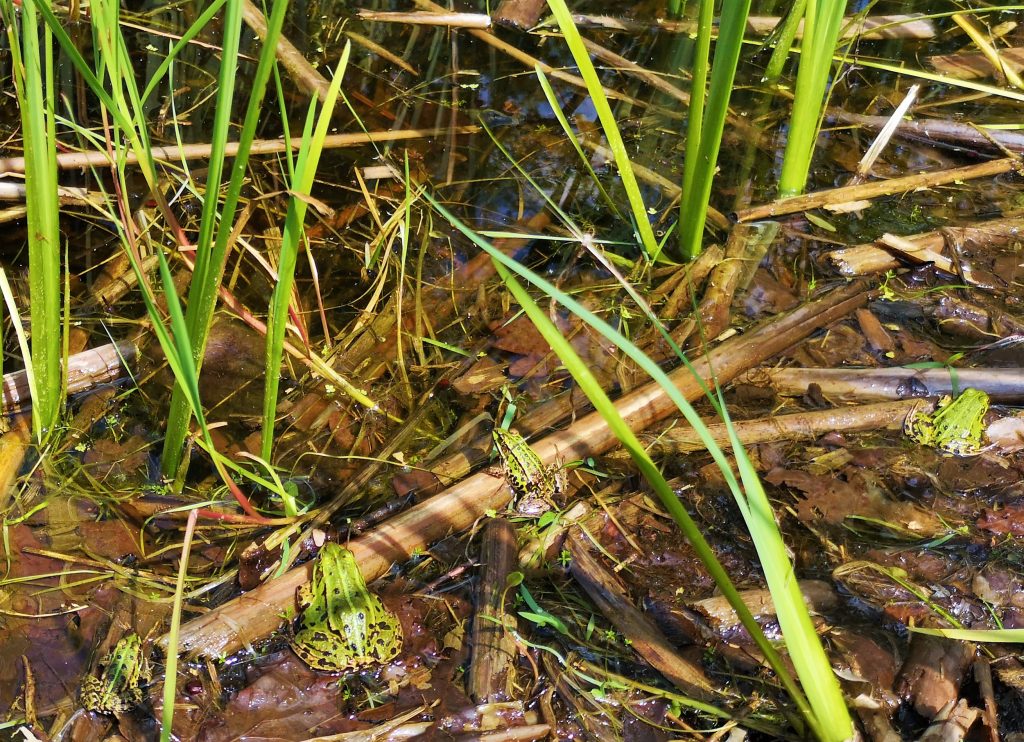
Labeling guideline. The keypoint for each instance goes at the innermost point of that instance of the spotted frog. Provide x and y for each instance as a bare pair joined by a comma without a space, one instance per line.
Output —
533,483
344,627
118,688
955,428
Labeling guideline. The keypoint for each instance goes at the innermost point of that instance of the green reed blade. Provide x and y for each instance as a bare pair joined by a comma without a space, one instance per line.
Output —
292,236
823,20
608,124
699,171
209,271
33,75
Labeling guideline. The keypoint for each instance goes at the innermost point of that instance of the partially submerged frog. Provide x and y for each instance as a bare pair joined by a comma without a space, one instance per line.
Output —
344,627
956,426
534,484
118,688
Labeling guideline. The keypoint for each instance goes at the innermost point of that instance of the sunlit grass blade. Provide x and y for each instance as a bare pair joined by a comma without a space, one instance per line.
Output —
608,124
211,253
699,171
34,84
823,706
698,93
782,38
302,185
823,20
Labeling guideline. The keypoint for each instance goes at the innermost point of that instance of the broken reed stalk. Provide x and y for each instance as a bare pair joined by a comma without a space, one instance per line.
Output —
862,260
86,370
797,426
849,384
872,27
875,189
607,593
245,619
491,673
75,160
937,131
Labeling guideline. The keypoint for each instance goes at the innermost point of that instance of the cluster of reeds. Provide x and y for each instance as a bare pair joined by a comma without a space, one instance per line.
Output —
183,331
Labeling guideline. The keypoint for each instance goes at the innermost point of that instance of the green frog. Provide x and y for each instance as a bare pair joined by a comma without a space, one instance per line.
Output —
955,428
118,688
344,627
533,483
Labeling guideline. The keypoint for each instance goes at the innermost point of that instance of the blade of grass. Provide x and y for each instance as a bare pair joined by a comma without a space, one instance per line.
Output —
693,207
570,134
33,76
209,272
609,125
302,185
171,666
823,20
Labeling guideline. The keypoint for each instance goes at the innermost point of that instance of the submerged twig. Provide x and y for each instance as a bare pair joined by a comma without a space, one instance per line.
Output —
866,191
937,131
842,384
86,370
796,426
639,631
491,675
862,260
75,160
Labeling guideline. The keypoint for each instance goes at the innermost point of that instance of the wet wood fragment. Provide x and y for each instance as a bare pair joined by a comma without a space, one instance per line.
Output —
795,426
491,672
86,370
876,335
867,259
610,597
519,14
743,253
863,384
819,597
951,723
972,65
990,714
938,131
931,676
875,189
13,447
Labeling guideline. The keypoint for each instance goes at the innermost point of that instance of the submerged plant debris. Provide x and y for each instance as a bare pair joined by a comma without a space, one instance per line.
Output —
424,530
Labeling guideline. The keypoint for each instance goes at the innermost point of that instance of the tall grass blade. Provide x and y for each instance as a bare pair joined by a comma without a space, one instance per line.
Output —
823,20
210,255
699,171
171,665
608,124
302,185
34,83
